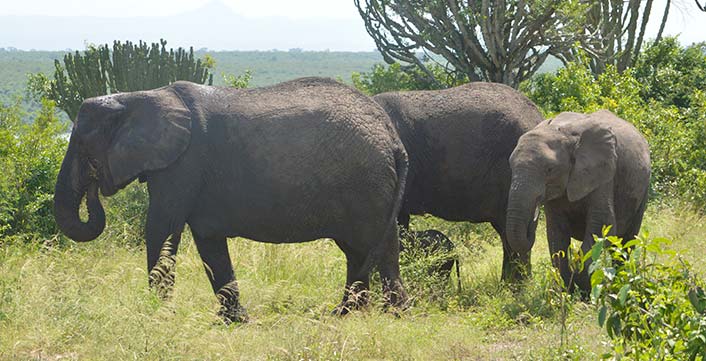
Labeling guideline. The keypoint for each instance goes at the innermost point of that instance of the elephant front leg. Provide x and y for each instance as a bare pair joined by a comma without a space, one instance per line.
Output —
599,213
162,275
161,252
219,269
559,238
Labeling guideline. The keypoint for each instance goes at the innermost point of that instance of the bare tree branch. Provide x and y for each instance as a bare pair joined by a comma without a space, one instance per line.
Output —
491,40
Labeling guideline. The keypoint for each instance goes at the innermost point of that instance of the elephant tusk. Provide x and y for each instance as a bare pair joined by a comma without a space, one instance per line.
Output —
536,213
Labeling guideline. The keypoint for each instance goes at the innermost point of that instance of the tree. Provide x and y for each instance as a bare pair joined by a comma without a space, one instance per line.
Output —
613,31
128,67
491,40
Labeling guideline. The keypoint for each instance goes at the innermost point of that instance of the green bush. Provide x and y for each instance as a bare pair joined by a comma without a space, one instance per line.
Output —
395,77
650,302
30,158
671,72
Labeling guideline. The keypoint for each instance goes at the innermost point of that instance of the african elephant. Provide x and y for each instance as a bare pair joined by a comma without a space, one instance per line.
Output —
302,160
432,243
589,171
459,141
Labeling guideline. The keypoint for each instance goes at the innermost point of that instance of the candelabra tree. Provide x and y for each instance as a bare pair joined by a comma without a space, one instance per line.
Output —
101,70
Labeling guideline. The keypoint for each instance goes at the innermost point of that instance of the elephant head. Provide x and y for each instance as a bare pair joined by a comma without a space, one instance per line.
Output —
115,139
563,157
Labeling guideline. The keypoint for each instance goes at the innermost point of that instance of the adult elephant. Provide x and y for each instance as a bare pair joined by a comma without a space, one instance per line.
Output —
459,141
589,171
298,161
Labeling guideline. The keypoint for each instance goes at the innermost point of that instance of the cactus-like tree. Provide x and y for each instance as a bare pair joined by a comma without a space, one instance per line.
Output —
100,70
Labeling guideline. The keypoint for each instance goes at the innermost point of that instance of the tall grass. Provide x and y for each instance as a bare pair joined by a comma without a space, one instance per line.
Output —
91,301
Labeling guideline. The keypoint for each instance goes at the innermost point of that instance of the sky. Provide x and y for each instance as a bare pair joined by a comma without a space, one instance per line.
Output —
244,24
128,8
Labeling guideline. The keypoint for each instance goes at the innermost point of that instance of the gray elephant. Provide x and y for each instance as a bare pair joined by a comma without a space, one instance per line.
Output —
432,243
302,160
589,171
459,141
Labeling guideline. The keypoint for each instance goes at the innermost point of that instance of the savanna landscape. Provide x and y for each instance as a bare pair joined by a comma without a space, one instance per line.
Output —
66,300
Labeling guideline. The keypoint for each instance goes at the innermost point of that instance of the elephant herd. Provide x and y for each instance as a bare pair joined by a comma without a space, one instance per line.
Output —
312,158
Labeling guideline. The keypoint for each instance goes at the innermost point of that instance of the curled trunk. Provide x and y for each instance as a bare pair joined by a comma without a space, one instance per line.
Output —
72,185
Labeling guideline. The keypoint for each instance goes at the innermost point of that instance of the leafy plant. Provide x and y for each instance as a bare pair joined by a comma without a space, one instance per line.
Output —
238,81
651,304
30,157
395,77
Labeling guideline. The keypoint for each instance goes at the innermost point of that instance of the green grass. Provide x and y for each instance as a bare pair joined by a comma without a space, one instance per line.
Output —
91,302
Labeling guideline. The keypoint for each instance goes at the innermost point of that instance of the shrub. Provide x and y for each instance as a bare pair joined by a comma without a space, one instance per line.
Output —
650,302
30,158
395,77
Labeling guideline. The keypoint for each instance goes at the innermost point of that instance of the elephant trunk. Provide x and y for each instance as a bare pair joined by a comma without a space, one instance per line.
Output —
73,183
523,212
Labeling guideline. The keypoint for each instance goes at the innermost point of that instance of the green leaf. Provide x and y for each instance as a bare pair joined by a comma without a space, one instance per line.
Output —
623,294
596,251
601,315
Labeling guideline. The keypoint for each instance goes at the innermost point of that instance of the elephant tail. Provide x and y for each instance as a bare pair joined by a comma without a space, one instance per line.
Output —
376,253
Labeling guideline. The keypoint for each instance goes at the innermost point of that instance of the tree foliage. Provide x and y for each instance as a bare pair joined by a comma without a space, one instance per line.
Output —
395,77
126,67
30,156
612,33
498,41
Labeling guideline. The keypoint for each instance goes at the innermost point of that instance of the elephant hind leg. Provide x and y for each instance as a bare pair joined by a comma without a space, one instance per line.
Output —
389,268
219,269
356,293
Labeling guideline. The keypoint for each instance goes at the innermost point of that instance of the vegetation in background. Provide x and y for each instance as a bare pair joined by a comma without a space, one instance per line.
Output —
498,41
125,67
397,78
30,156
241,81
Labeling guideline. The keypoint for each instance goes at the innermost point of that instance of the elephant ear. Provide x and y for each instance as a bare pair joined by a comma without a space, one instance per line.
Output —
155,130
595,162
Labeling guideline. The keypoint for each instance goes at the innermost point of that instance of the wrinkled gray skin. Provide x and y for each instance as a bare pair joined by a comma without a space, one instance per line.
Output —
459,141
294,162
589,171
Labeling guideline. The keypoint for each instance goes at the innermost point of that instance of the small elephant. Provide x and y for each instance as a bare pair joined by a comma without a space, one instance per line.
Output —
589,171
432,242
459,141
302,160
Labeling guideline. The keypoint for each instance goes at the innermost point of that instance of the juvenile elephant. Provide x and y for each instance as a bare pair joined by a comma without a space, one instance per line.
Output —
298,161
589,171
459,141
432,242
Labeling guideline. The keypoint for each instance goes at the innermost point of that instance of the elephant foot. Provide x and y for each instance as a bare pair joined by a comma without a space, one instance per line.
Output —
231,311
396,299
161,277
355,298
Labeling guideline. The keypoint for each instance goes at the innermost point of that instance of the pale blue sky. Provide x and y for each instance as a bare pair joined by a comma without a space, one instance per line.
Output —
282,24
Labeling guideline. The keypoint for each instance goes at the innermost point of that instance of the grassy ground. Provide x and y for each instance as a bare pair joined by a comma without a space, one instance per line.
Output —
91,302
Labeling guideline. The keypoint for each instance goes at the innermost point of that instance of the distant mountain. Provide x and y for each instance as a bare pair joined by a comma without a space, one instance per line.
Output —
214,26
